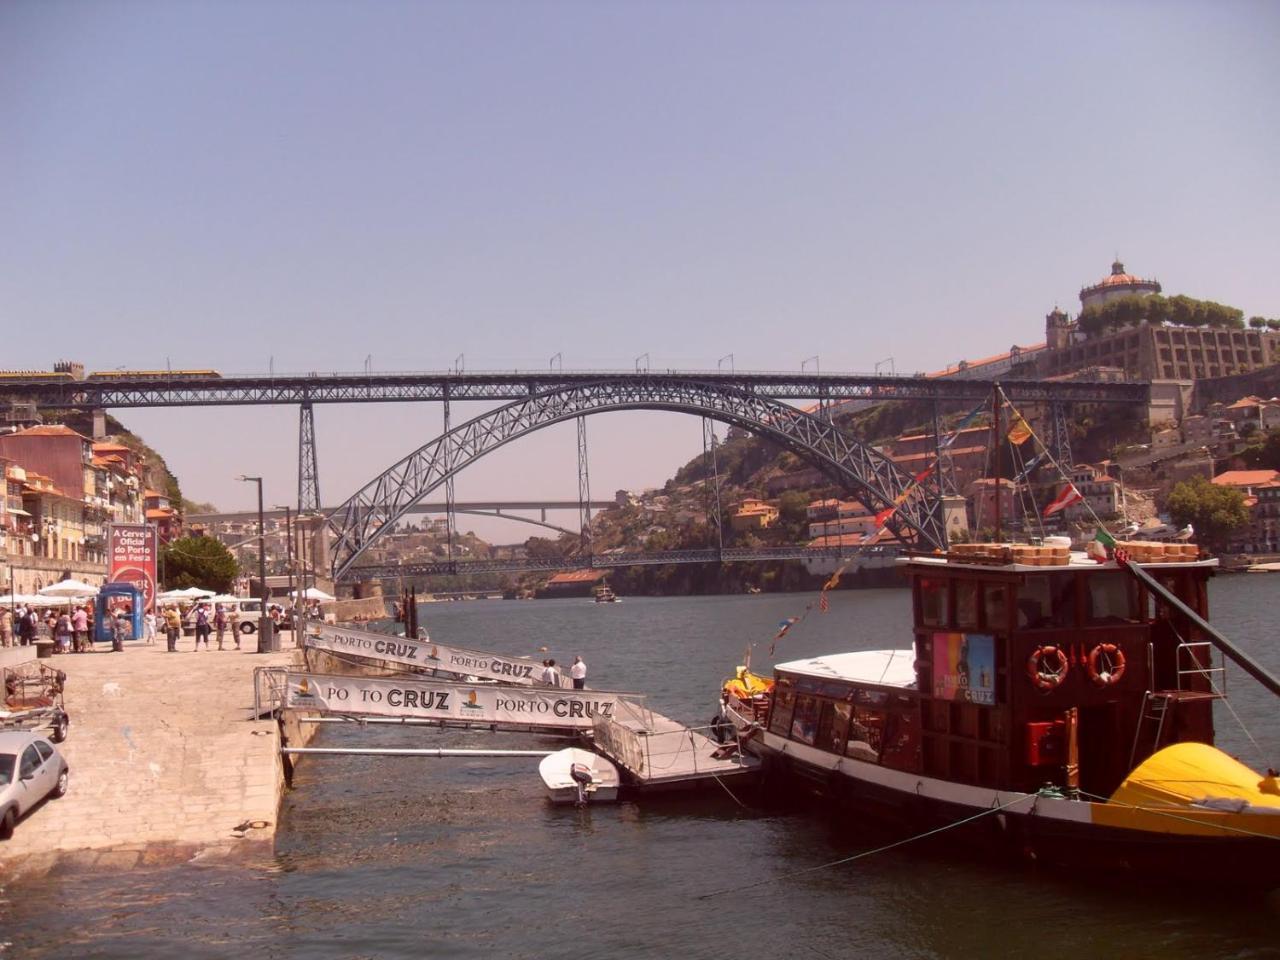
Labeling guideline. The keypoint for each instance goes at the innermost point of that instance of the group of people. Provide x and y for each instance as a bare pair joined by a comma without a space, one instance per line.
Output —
71,627
577,673
207,619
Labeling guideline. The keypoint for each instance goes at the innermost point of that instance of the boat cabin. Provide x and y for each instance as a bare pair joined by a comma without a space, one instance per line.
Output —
1020,674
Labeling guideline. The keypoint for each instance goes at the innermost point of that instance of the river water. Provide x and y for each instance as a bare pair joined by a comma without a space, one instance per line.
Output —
464,858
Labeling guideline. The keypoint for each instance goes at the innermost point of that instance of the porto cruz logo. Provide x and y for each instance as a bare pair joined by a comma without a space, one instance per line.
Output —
470,702
434,654
303,692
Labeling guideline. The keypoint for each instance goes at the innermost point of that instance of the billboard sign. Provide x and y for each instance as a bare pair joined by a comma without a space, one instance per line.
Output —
134,553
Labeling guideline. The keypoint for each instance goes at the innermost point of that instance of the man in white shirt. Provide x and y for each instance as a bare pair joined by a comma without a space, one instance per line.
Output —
550,675
579,673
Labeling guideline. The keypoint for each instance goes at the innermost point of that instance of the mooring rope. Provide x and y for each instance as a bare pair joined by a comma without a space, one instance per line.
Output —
866,853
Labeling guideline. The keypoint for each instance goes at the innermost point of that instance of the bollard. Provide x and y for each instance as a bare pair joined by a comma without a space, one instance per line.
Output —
267,635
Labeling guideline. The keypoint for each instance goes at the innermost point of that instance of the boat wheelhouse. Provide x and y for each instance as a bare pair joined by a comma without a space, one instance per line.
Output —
1067,697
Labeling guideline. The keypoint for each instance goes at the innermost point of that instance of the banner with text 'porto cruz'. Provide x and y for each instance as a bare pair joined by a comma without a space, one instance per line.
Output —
445,700
426,654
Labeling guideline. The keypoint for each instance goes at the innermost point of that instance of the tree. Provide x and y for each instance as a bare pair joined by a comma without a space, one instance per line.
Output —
198,562
1273,324
1257,323
1215,511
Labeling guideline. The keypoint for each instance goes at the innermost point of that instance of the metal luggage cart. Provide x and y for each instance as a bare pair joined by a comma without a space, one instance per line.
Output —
33,699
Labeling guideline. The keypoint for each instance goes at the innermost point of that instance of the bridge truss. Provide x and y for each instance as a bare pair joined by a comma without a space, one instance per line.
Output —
875,479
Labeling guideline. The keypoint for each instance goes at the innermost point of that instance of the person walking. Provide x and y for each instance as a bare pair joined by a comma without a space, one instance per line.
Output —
27,626
233,623
220,623
80,625
172,627
62,633
202,626
579,673
149,626
6,627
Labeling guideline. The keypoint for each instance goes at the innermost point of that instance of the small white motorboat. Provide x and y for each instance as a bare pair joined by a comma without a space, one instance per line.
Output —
579,776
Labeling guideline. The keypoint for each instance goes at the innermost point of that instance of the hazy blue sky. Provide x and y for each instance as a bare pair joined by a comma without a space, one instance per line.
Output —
235,184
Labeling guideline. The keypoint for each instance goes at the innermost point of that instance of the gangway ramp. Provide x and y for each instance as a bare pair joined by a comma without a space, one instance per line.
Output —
657,753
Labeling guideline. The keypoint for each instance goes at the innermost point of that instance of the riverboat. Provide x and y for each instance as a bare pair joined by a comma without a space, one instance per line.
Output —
605,594
1055,706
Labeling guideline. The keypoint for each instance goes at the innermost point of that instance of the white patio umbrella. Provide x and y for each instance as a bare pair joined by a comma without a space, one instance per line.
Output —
191,593
315,593
68,589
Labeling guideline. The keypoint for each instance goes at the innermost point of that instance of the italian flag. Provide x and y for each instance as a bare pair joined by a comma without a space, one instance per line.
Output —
1066,498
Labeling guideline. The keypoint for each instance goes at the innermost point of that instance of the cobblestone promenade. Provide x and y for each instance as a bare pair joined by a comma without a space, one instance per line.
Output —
166,760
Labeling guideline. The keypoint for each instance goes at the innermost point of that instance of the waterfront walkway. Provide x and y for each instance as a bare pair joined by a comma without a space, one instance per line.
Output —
166,760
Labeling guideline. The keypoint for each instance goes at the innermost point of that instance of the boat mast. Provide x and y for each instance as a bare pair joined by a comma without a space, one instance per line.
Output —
995,439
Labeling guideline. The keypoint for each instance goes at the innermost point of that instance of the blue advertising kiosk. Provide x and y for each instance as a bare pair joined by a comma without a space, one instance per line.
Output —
111,597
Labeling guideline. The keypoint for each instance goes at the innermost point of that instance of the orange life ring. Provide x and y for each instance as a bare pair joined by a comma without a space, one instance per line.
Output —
1037,667
1105,678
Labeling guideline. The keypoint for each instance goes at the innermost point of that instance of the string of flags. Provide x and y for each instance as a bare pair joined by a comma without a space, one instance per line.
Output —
824,605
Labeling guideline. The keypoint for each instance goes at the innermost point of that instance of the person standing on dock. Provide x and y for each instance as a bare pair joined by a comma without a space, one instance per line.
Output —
220,624
579,673
172,627
6,627
149,626
202,626
550,675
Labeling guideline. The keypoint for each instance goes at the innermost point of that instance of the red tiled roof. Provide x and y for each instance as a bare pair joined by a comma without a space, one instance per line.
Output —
1245,478
49,430
161,514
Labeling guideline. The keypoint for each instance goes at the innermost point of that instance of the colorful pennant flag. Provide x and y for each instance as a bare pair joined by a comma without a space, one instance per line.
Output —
1019,430
901,498
824,604
1066,498
783,627
1030,466
967,419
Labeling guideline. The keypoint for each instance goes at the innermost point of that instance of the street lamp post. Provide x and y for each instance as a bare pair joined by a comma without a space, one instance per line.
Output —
266,635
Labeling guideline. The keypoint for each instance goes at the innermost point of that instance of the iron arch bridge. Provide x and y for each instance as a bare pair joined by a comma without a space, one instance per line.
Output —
875,479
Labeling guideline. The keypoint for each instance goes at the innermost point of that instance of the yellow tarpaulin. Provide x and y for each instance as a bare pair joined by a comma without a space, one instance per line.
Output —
1189,773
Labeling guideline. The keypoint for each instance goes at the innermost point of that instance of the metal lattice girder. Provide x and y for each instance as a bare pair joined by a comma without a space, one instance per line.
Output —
584,489
188,390
308,464
715,522
429,568
1061,436
870,476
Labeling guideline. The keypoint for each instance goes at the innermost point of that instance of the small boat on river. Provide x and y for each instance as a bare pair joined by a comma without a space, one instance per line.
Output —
1054,705
578,776
605,594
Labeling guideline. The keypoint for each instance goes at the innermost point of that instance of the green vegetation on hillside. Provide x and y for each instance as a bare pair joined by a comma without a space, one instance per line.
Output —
1180,311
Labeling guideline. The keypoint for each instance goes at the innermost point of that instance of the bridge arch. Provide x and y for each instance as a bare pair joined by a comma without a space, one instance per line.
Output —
875,479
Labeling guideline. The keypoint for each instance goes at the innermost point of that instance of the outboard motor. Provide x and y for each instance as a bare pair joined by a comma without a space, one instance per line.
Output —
581,775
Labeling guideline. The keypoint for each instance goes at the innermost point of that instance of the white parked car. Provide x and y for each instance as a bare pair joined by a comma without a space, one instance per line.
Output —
31,768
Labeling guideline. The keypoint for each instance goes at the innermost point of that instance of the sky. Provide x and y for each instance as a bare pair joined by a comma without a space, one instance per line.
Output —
320,185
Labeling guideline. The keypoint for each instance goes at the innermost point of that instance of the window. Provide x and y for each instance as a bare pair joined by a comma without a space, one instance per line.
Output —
826,721
7,762
933,602
900,747
30,761
1112,598
804,722
1035,603
840,726
784,702
865,734
44,749
966,603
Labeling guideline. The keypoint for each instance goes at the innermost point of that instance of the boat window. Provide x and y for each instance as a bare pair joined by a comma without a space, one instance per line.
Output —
865,734
840,726
995,602
804,722
1035,603
1064,599
901,743
966,603
1112,597
933,602
784,702
826,720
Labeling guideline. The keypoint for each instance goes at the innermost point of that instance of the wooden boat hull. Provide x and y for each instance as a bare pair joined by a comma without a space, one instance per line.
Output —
1050,831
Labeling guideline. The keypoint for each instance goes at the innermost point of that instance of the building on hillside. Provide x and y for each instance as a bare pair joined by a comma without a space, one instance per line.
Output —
753,514
168,521
1259,488
980,500
1263,414
55,452
1101,494
967,454
819,510
57,519
849,517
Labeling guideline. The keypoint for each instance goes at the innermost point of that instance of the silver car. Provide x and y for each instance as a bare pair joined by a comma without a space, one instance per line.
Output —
31,768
